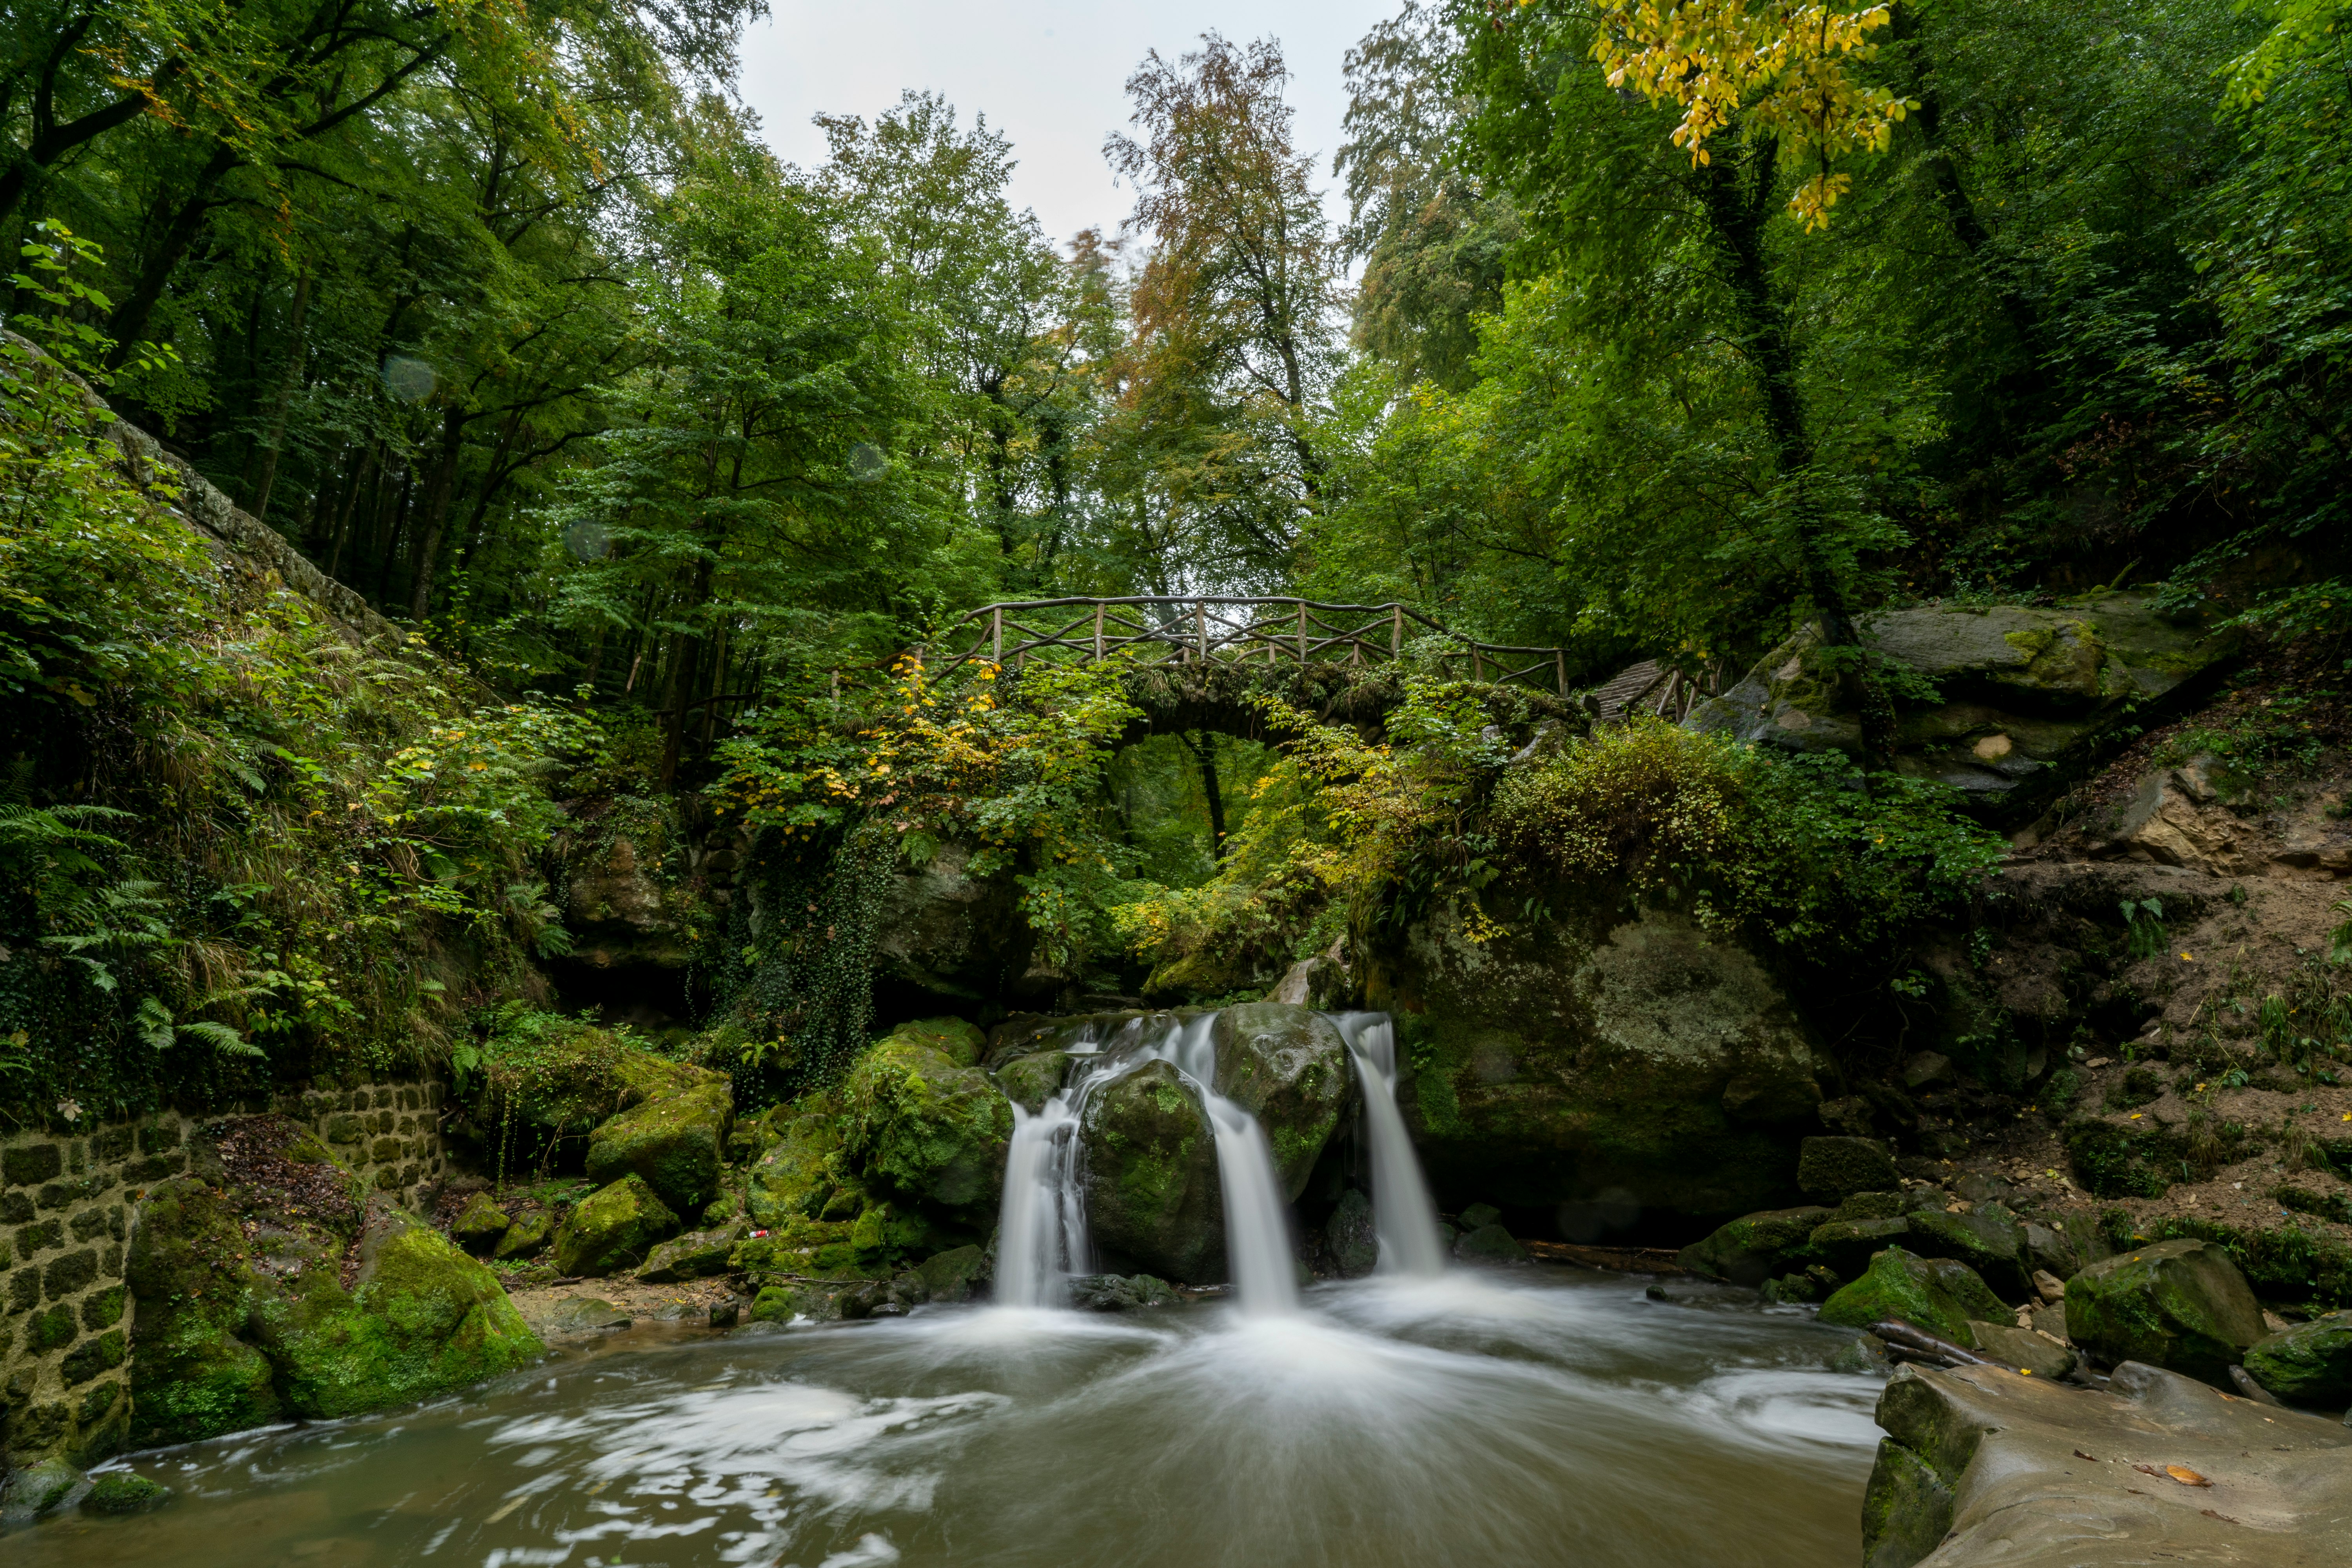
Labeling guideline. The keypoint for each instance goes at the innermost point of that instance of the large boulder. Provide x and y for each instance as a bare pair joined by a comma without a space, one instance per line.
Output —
795,1176
242,1315
2310,1364
1931,1293
613,1229
1985,1236
926,1123
2182,1305
1030,1081
673,1137
1593,1054
2024,694
1285,1065
946,938
626,902
1754,1247
1837,1168
1153,1203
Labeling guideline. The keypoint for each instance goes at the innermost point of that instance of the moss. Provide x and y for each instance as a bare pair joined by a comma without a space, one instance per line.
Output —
674,1138
2113,1163
121,1491
2178,1304
613,1228
1030,1081
1906,1509
795,1175
931,1130
1750,1249
193,1377
1935,1294
2284,1264
961,1042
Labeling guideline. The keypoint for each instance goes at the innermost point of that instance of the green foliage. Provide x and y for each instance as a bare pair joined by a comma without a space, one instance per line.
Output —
2144,921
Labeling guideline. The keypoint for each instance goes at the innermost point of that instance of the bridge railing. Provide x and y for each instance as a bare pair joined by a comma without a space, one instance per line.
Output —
1199,628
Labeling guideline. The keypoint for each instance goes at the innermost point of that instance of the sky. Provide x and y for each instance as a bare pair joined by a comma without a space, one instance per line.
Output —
1049,74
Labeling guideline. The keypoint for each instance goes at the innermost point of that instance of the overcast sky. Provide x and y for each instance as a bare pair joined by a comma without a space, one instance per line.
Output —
1050,74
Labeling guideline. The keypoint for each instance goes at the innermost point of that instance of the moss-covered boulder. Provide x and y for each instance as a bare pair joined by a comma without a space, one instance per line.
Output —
926,1124
697,1254
1030,1081
1932,1293
1153,1203
1846,1247
242,1316
526,1237
962,1042
1490,1244
956,1274
613,1228
2310,1364
1590,1055
1754,1247
120,1492
480,1225
795,1176
1985,1236
1836,1168
421,1318
674,1137
1288,1066
2182,1305
1352,1238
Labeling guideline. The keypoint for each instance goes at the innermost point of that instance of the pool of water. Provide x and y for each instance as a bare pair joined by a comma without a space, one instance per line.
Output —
1541,1417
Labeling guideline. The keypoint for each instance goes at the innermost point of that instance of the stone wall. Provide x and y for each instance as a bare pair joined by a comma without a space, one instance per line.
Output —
68,1204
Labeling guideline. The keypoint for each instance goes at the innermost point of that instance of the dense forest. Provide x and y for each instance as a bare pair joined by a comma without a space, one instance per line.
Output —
1650,334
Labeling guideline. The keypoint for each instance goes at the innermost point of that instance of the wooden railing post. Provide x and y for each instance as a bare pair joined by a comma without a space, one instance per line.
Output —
1098,616
1560,659
1302,634
996,637
1396,630
1477,666
1201,624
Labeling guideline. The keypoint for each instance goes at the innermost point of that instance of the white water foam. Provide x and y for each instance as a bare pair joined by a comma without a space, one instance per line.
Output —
1404,1215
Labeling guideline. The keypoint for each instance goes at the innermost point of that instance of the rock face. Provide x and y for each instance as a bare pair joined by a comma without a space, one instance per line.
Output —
2310,1364
1931,1293
1837,1168
1642,1056
1286,1065
945,939
1982,1466
243,1316
2024,691
926,1122
2182,1305
1153,1203
673,1137
614,1230
625,904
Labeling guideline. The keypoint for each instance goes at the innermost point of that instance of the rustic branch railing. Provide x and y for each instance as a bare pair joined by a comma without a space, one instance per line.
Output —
1201,628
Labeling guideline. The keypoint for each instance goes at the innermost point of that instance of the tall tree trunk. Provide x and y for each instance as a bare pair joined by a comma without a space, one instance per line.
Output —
1202,744
351,507
130,318
684,646
437,510
268,476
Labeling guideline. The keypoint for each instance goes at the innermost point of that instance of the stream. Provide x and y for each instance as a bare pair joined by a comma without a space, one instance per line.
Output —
1539,1416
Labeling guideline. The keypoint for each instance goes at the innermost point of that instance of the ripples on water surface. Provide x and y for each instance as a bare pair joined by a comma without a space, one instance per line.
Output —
1473,1420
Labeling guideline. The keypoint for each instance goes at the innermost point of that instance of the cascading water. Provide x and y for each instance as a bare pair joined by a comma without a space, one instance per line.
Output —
1043,1229
1403,1215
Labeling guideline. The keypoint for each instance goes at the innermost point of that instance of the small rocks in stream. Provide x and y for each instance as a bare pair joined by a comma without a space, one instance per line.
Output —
122,1491
1121,1293
587,1315
1865,1354
1489,1243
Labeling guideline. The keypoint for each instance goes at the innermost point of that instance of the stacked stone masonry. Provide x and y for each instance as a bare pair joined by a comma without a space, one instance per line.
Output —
68,1201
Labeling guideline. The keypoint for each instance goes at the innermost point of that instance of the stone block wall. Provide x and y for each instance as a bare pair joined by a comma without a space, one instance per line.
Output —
69,1202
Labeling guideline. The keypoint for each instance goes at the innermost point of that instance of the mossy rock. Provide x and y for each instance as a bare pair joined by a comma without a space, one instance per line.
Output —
2114,1162
674,1138
123,1492
192,1376
1153,1201
1288,1066
2182,1305
1846,1247
795,1175
480,1224
1985,1236
1932,1293
1752,1248
1490,1243
961,1042
1030,1081
1351,1236
697,1254
2024,1349
1121,1293
955,1275
1872,1206
1840,1167
2310,1364
613,1228
526,1237
927,1127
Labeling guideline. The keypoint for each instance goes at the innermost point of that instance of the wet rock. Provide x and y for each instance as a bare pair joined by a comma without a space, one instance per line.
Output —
956,1274
1838,1167
1597,1055
924,1122
1490,1243
2310,1364
1030,1081
849,1301
480,1224
1153,1192
1286,1065
1115,1293
793,1176
697,1254
612,1229
2182,1305
1846,1247
1865,1353
1751,1249
672,1138
1985,1236
1352,1238
2023,1349
525,1237
37,1490
1872,1206
1477,1217
124,1492
2025,692
1932,1293
1980,1466
587,1315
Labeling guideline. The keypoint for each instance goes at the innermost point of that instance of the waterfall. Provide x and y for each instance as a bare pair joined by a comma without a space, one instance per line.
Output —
1042,1236
1402,1213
